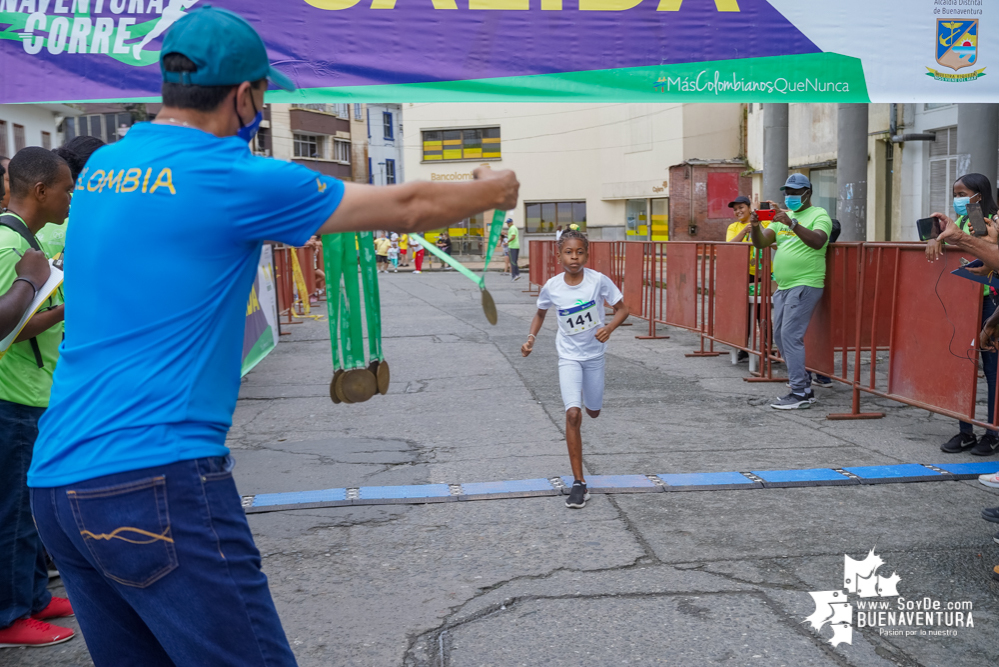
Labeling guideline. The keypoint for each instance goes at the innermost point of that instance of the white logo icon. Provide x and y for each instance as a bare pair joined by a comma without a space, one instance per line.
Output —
860,578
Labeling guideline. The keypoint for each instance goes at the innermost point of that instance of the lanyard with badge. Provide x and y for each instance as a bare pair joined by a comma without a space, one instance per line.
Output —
579,318
348,257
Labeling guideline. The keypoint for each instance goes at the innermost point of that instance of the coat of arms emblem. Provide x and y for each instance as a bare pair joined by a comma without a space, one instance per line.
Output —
957,43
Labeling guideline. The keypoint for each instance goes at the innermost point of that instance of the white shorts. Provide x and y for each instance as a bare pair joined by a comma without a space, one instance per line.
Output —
582,383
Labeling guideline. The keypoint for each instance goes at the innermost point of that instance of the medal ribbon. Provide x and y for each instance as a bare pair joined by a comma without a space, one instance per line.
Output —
372,297
451,261
494,236
333,260
351,326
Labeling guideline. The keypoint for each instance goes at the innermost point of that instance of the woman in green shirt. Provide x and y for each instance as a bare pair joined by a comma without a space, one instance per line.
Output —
974,188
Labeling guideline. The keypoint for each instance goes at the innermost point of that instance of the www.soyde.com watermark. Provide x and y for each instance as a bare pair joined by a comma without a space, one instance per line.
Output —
712,82
866,591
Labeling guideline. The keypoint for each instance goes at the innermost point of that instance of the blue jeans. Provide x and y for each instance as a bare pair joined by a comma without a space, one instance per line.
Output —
24,577
161,568
514,256
989,361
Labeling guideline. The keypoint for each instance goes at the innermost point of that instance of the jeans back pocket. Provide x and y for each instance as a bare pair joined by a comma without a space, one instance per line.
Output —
127,530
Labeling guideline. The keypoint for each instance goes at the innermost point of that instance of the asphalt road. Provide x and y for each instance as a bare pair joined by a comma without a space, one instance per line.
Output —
687,579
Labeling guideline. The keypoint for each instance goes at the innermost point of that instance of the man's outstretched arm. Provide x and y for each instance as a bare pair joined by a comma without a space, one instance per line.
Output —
420,206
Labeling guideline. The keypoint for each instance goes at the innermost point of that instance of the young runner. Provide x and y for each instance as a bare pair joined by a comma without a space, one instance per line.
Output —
579,295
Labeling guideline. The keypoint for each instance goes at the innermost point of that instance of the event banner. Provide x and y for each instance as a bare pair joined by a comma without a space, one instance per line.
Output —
530,50
261,333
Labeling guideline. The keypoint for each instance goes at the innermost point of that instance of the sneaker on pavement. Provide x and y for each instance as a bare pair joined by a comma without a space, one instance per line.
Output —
995,538
990,480
56,608
516,278
991,514
577,496
822,381
742,356
793,401
987,445
961,442
30,632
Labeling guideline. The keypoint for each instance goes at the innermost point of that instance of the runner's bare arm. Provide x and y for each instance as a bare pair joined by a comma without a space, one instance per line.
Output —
539,319
419,206
621,313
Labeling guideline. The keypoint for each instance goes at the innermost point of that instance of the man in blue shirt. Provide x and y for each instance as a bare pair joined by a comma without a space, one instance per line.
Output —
131,480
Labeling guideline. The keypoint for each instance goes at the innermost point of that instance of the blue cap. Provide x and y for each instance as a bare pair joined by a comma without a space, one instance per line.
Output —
225,48
797,182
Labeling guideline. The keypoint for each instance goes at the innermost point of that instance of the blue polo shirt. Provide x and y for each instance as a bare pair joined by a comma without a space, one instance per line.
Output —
166,230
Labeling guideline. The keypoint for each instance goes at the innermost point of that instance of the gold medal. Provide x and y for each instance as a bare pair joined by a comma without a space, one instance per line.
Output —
359,385
383,377
489,307
338,387
336,376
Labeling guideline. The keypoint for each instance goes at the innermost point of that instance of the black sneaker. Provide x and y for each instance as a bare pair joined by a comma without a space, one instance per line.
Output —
987,445
822,381
742,356
578,496
991,514
794,401
961,442
995,538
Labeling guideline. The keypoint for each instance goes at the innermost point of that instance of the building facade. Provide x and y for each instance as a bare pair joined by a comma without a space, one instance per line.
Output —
385,142
906,179
23,125
605,167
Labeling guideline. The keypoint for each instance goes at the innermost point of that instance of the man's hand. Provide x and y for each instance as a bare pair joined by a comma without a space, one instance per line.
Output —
978,270
949,232
781,215
603,334
527,347
510,184
33,266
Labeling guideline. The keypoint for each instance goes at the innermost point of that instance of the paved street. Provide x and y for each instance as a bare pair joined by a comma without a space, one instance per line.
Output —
687,579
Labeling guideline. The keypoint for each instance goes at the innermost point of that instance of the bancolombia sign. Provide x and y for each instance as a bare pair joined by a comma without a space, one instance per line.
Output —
524,50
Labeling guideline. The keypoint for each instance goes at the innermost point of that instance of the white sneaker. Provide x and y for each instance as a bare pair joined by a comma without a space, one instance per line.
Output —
990,480
417,271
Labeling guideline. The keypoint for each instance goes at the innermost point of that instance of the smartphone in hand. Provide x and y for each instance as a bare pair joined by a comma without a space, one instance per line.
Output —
928,228
977,219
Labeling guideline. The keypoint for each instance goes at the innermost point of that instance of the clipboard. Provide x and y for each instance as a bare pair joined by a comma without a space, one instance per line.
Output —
45,292
991,281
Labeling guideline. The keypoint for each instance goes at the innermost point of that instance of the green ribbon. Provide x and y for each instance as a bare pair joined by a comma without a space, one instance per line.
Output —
372,297
494,236
343,255
448,259
332,258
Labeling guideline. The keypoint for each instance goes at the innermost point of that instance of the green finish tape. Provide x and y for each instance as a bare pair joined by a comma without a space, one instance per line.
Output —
448,259
494,235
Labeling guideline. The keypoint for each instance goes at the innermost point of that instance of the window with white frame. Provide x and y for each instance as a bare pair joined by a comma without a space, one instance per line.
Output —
341,110
341,151
357,112
309,145
944,170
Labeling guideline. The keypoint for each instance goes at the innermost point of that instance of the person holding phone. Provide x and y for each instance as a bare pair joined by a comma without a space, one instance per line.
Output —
801,234
974,189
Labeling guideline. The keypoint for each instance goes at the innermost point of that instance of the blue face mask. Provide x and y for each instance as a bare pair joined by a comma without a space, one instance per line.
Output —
961,205
793,202
247,132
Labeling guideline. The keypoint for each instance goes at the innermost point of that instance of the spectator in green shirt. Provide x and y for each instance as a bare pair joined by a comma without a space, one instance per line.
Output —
513,247
801,234
40,189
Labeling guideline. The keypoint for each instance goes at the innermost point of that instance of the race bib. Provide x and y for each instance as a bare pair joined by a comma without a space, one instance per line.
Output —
581,317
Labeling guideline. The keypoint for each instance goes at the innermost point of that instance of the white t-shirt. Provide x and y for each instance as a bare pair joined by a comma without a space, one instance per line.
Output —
580,312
